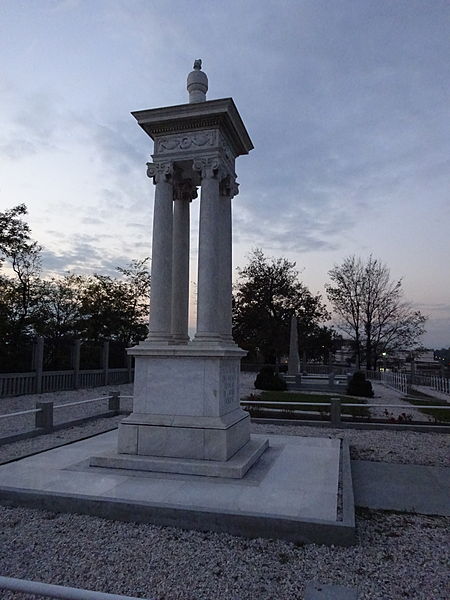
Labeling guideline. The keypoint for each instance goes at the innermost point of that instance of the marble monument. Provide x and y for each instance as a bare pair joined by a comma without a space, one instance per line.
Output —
186,414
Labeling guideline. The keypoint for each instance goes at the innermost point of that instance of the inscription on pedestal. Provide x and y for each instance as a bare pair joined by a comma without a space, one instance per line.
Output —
229,383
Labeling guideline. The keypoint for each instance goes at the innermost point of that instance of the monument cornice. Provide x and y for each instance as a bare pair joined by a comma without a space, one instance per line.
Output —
221,114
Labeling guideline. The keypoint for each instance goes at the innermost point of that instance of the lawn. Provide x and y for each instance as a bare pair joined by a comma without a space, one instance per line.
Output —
418,399
288,397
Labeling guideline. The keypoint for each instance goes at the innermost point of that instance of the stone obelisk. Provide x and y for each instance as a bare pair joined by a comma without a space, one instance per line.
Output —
294,359
186,413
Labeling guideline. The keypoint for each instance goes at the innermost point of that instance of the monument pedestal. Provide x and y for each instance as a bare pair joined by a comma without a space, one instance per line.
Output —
187,417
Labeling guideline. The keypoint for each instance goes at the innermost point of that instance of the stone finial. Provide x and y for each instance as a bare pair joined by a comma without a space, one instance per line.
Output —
197,83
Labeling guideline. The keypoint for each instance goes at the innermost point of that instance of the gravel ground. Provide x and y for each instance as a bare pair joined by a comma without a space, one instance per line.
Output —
403,447
397,557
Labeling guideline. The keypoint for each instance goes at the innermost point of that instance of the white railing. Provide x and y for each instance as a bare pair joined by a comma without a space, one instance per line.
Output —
61,592
45,412
398,381
441,384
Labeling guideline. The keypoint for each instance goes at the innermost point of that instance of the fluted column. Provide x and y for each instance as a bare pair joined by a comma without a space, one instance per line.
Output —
228,189
208,323
184,192
161,283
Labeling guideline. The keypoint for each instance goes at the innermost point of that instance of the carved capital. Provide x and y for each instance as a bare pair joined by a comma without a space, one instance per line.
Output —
184,190
160,171
229,187
208,167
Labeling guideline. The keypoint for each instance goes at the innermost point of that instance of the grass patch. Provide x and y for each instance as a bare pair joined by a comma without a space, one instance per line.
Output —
440,416
287,397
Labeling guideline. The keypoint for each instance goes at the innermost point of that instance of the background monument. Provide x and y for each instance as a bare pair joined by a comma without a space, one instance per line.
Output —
186,415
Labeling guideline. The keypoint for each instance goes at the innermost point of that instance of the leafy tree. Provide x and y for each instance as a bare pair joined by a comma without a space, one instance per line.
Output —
18,290
14,232
370,308
267,294
116,309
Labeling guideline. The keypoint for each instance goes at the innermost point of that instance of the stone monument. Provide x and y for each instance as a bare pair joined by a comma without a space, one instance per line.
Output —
294,359
186,413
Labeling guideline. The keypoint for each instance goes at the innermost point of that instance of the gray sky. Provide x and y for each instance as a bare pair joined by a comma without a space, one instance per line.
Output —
347,104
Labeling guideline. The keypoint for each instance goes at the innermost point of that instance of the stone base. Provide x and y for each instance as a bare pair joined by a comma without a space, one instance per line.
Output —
235,468
183,436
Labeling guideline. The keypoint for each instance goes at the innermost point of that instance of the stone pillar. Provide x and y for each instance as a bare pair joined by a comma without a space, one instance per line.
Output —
183,194
161,288
294,360
76,352
39,363
105,362
208,323
228,189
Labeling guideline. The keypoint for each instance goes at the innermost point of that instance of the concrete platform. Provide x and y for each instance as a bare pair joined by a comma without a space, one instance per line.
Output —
292,492
405,488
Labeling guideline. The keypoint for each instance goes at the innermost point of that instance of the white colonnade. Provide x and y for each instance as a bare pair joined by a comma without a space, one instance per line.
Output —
169,297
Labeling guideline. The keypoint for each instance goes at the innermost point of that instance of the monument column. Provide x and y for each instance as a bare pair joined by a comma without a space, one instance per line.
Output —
208,325
228,189
161,287
184,192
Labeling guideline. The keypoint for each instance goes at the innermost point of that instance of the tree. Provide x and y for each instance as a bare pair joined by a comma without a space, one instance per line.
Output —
23,257
267,294
116,309
14,232
370,309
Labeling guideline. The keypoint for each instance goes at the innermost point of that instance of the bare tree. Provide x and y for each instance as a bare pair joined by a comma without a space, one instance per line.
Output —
370,308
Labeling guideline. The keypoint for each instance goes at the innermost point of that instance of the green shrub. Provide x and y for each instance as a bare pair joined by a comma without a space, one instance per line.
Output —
359,386
267,379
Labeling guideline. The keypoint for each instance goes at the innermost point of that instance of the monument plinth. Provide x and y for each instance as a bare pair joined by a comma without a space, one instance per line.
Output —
186,414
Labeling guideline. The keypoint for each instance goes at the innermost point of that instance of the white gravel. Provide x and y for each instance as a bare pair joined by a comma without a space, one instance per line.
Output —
397,557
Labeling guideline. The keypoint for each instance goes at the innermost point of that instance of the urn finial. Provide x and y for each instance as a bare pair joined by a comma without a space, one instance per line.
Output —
197,83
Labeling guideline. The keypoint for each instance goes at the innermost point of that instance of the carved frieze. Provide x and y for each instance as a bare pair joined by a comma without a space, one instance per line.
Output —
189,141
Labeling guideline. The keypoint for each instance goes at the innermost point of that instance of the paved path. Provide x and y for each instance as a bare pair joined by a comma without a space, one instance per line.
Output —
406,488
387,395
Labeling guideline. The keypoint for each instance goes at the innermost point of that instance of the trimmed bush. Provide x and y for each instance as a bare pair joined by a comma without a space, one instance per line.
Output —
359,386
267,379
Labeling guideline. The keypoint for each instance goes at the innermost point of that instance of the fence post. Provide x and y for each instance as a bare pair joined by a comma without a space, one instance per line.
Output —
105,362
413,371
44,418
76,363
331,381
39,363
335,412
114,402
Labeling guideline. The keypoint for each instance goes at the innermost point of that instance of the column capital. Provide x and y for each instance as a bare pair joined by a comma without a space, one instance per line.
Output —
160,171
184,189
229,186
209,167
